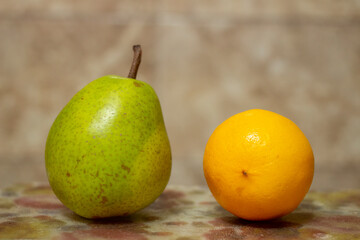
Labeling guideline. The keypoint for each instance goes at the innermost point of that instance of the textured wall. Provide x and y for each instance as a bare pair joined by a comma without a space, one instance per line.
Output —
207,60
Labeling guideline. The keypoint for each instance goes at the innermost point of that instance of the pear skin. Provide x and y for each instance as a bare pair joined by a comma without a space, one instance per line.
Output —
107,153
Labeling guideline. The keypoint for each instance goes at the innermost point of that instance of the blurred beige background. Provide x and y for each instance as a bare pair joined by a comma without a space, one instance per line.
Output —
207,60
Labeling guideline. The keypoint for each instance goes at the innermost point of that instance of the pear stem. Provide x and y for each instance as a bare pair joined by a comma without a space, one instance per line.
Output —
136,62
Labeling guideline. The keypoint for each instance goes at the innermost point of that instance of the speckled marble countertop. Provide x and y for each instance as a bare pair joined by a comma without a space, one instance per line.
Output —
31,211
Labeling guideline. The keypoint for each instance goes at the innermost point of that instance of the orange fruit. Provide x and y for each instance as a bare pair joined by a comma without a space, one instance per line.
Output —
258,165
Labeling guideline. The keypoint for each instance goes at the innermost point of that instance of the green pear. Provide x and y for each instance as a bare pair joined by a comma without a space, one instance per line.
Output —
107,153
